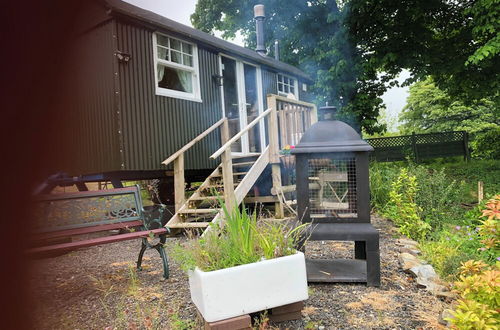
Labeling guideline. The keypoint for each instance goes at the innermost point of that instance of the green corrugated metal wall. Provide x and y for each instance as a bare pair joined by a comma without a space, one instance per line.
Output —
91,134
156,126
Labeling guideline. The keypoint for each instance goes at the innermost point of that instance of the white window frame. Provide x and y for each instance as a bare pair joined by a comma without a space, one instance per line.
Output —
295,85
195,72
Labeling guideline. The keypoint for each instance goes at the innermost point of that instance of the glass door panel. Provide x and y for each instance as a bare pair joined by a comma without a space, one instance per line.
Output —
252,106
231,100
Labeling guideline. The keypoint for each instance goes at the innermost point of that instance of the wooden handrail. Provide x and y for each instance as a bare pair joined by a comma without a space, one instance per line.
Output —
237,136
192,142
288,100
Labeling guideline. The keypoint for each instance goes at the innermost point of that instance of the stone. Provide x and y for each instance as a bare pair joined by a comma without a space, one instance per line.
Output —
406,249
429,285
425,272
408,261
445,314
445,294
407,242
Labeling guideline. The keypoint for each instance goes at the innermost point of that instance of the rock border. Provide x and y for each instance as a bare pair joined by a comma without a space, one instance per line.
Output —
424,274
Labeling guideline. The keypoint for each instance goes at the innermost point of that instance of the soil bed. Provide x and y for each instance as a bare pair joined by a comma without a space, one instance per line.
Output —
98,288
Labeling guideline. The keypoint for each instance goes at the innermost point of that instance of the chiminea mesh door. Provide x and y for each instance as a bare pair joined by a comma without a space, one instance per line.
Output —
332,188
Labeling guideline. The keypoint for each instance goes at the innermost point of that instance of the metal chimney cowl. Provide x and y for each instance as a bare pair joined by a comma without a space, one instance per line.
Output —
259,16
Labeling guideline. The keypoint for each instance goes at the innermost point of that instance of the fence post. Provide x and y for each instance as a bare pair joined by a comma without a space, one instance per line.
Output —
414,146
466,146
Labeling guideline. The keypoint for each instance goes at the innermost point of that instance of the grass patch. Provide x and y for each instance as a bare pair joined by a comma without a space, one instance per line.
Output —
241,240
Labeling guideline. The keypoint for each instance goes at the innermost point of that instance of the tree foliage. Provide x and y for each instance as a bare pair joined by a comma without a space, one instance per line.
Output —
430,109
456,42
313,36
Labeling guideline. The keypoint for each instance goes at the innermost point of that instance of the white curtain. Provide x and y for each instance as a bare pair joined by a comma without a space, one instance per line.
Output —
185,79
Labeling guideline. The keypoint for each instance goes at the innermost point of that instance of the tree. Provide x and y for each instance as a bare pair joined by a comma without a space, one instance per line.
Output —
455,42
313,36
430,109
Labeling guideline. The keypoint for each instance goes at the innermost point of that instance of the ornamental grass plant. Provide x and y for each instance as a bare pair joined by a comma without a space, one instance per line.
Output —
240,239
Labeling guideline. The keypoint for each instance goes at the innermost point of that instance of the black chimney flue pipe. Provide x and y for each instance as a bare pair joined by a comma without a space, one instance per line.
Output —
259,16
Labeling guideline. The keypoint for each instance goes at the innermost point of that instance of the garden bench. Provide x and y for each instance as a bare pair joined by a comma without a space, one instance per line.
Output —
64,221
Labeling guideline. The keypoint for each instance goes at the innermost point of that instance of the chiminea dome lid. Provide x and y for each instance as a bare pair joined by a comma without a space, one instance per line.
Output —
331,136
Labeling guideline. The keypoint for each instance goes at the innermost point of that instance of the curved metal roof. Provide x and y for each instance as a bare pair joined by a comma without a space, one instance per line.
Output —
148,17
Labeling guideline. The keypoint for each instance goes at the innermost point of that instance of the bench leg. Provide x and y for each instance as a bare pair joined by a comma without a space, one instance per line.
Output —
141,254
163,254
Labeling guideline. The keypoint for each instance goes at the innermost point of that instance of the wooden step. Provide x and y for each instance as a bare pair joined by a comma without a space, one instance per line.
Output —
219,185
244,164
199,211
202,198
250,155
234,173
189,225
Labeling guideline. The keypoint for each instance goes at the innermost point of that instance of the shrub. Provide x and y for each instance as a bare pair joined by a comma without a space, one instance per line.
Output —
438,196
381,176
402,208
486,145
479,290
451,247
241,240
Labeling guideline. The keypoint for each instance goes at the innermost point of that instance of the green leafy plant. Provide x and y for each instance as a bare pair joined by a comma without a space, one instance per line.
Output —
242,239
402,207
479,290
381,174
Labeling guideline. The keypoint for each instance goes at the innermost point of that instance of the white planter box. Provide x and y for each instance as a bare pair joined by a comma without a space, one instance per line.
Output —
244,289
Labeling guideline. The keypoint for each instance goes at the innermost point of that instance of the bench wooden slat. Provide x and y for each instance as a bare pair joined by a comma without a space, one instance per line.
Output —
95,241
86,230
83,194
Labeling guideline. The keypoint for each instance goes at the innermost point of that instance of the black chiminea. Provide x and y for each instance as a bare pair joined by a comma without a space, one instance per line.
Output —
333,193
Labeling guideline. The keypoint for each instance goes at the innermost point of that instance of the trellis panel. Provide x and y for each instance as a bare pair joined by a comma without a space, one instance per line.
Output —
420,146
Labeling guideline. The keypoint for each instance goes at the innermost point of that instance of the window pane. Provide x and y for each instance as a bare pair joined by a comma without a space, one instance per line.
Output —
175,44
187,48
175,79
161,40
163,53
292,90
286,89
280,78
187,60
280,87
176,56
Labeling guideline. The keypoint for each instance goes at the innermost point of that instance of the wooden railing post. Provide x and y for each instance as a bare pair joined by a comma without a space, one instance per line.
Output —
227,169
274,158
179,182
314,114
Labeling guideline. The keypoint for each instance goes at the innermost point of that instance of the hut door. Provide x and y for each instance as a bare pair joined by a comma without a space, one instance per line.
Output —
242,103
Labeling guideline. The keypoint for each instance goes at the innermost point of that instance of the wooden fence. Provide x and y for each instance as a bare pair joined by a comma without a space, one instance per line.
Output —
420,146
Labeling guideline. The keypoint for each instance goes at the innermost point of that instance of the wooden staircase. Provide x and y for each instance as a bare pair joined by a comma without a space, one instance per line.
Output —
234,177
203,206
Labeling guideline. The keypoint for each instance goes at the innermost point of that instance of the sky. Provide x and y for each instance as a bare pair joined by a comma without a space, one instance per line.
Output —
180,10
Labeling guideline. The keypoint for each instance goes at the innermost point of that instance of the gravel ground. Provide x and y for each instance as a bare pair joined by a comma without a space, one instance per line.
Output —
98,288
